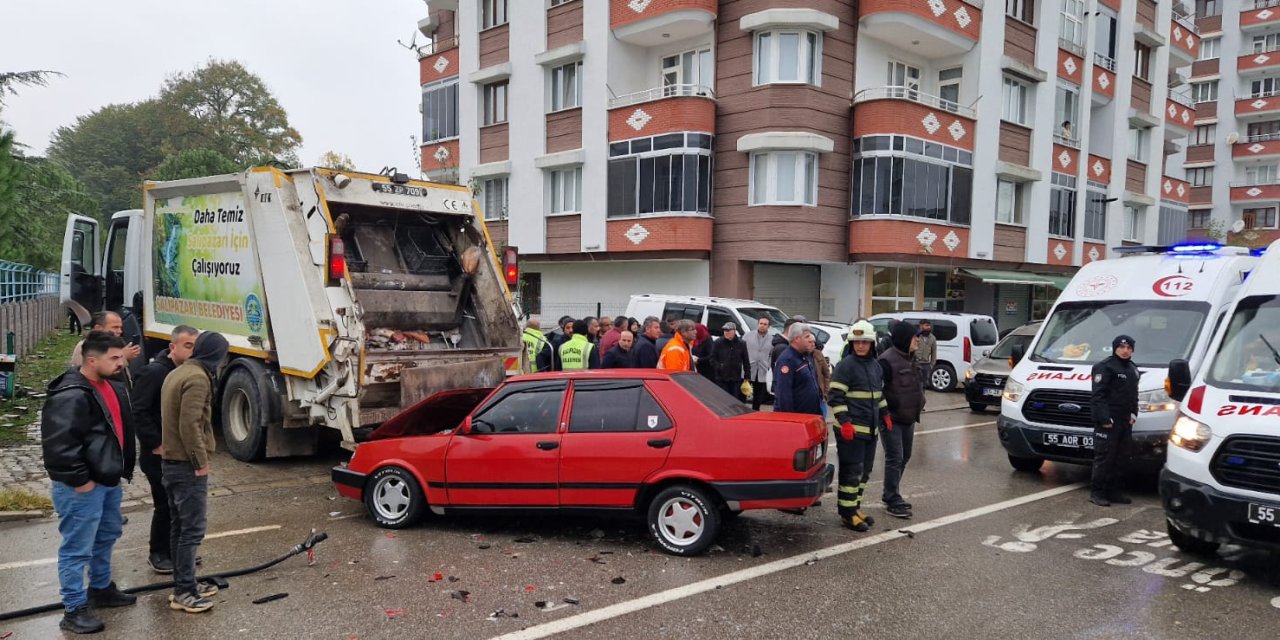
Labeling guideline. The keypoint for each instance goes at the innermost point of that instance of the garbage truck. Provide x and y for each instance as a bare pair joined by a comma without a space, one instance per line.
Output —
346,297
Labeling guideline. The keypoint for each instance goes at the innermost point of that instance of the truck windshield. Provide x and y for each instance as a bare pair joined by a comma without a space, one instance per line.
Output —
1081,332
753,315
1249,359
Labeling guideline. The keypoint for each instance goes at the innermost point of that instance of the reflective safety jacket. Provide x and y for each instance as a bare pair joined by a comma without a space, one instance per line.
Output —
857,394
578,353
539,350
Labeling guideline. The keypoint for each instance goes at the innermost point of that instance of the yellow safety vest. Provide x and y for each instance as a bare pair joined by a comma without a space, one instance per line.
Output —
576,353
534,343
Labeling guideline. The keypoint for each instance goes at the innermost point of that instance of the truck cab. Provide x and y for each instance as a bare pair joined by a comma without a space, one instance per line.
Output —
1169,299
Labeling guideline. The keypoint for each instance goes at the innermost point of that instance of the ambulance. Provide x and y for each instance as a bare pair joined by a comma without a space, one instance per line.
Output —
1169,299
1221,482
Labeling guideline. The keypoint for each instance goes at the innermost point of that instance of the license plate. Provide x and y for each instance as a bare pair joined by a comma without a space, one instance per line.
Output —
1262,514
1068,440
992,392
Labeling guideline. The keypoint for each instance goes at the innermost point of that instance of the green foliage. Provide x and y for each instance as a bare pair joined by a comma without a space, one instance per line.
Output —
34,218
194,163
336,160
113,149
11,80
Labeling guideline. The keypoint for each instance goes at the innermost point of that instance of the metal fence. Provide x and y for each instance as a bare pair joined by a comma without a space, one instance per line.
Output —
25,282
29,306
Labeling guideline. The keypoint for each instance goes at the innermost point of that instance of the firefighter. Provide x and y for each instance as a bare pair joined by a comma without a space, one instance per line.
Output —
536,346
578,352
1114,406
857,403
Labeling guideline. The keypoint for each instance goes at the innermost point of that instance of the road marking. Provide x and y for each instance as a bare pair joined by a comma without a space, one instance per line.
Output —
710,584
222,534
963,426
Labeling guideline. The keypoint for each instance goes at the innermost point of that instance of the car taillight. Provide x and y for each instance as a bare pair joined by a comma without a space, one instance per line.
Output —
511,265
337,260
968,350
804,459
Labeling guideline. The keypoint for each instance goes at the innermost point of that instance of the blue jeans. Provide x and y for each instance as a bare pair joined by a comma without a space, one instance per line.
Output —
90,524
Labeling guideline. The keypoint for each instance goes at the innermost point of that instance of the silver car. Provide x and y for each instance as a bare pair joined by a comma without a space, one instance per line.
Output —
984,381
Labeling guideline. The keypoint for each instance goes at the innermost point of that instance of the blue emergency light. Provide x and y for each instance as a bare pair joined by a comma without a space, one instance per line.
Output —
1204,247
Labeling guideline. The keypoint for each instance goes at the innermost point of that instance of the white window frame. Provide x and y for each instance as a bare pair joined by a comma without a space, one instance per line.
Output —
900,302
766,58
1204,134
677,80
494,103
1210,48
1071,23
1139,140
556,3
431,88
1262,174
1015,91
957,81
1142,61
564,190
766,166
1200,176
565,91
493,13
1204,91
496,194
1069,113
1134,223
1266,43
1010,197
905,78
1264,87
1017,9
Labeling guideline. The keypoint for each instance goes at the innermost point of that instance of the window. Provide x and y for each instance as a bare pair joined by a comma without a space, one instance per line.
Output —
1138,139
1266,43
717,317
531,292
1202,177
495,194
1204,91
788,56
495,103
440,110
1258,130
784,177
1199,218
1066,111
893,289
530,407
492,13
1205,134
949,88
1020,9
1262,174
566,190
1009,200
905,78
1062,206
688,73
1095,212
1142,61
1014,108
616,406
670,173
1259,218
711,396
1210,48
1206,8
1105,39
891,176
1071,27
943,291
1265,87
556,3
566,86
1133,223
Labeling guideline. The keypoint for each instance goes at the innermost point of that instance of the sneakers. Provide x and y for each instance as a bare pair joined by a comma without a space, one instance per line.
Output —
81,621
1099,500
111,597
1119,498
203,589
871,522
899,510
190,602
856,522
160,564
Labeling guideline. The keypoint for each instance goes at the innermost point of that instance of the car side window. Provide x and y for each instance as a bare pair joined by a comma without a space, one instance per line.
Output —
522,408
612,407
821,336
716,317
944,330
682,311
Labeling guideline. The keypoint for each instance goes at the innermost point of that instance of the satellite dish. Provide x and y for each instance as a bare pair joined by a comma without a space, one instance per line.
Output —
1237,226
1233,137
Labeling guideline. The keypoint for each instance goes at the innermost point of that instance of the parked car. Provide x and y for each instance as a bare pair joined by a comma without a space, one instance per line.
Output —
984,381
962,339
713,312
831,335
670,447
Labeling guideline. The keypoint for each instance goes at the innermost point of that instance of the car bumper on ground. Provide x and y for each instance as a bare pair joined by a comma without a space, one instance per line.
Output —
1206,513
1145,454
350,484
777,494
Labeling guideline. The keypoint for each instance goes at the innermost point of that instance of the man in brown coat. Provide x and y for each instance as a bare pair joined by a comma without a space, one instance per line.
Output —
186,406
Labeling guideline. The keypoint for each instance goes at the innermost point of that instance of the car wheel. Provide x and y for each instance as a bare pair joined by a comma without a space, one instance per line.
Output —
1027,465
393,498
942,378
1189,544
977,407
683,520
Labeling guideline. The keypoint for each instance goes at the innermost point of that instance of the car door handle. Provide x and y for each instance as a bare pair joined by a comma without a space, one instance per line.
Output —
548,445
660,444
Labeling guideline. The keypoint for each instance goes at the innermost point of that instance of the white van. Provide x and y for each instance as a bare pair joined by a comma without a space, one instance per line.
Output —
963,339
1169,299
713,312
1221,482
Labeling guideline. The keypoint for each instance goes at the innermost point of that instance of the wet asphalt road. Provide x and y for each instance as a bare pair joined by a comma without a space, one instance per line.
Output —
991,554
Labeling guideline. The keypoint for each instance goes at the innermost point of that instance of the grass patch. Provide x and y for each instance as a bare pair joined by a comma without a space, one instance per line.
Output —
45,362
23,500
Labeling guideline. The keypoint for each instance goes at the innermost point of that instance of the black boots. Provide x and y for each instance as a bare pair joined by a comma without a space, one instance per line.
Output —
1099,499
81,621
111,597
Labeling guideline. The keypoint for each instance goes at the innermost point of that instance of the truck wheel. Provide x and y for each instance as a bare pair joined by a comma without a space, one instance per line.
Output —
1189,544
1026,465
394,499
943,378
684,520
243,415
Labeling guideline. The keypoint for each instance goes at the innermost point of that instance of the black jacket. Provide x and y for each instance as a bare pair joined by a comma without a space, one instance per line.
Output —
857,394
703,353
729,360
146,399
644,353
78,438
903,389
616,358
780,344
1115,391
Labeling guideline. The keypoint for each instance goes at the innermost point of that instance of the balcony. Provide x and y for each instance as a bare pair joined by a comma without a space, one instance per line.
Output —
1259,15
1175,190
1258,63
1099,169
669,109
890,110
647,23
1245,192
942,28
1185,47
1104,79
1180,114
1262,147
1259,107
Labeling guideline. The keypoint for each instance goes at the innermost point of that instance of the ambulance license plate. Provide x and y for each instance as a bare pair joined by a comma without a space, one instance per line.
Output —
1068,440
1263,514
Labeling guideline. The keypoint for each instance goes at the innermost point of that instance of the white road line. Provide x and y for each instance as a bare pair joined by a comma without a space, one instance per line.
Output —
702,586
958,428
222,534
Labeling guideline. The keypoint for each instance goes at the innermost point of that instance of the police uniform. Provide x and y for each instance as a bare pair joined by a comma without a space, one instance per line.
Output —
1114,407
857,403
578,353
538,350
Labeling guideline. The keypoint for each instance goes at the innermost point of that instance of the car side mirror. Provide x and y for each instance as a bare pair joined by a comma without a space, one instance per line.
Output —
1179,380
1015,356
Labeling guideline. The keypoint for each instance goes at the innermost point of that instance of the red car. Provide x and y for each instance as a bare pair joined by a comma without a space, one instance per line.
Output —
672,447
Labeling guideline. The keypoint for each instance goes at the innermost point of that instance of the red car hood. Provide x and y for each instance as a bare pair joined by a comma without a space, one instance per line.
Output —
815,425
438,412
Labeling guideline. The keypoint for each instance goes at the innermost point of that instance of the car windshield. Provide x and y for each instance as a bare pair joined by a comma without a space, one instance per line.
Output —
753,315
1004,350
1081,332
1249,358
710,395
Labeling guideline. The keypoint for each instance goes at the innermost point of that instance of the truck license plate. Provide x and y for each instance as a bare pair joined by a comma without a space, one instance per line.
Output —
1262,514
1068,440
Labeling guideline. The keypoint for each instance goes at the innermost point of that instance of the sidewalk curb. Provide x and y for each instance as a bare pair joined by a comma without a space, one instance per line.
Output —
16,516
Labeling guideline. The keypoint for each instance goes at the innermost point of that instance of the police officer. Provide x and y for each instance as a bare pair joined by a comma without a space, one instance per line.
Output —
578,352
857,403
536,346
1115,408
795,383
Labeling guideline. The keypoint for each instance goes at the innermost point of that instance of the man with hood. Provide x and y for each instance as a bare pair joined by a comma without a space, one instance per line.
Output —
87,437
1114,406
858,406
146,410
904,393
186,405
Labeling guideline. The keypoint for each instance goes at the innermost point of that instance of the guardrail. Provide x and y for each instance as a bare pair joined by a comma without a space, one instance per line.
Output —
1260,4
1188,21
437,46
25,282
1105,62
914,95
659,93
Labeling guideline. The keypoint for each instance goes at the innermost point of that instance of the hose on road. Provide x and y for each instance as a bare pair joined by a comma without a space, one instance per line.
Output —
313,539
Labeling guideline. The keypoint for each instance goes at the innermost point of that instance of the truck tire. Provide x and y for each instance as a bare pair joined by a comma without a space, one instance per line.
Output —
244,413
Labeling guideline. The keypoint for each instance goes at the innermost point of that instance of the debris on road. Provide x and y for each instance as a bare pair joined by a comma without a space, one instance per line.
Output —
526,540
619,580
910,534
547,607
437,577
484,545
502,613
383,578
530,589
462,595
571,600
393,613
271,598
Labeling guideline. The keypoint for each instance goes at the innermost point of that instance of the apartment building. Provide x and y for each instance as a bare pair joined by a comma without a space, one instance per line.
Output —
832,157
1233,156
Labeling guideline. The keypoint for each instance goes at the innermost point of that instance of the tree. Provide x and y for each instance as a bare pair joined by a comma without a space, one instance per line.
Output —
10,80
336,160
32,222
232,112
194,163
114,148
